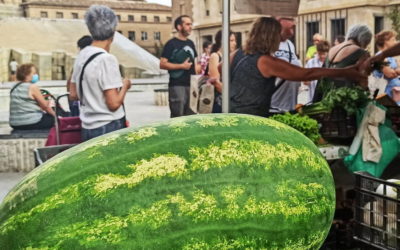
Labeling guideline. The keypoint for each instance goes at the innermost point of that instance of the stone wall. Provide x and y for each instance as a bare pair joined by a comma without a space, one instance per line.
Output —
16,155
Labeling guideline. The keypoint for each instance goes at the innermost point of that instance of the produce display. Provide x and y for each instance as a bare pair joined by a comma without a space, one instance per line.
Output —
350,99
302,123
199,182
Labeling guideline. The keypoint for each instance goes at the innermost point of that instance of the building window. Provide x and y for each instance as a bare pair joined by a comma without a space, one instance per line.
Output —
157,36
44,14
74,15
131,18
378,24
207,13
59,15
144,36
119,17
144,18
337,28
156,19
169,19
312,28
131,35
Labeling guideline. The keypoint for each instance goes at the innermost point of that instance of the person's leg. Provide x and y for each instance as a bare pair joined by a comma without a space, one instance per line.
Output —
88,134
186,108
176,98
46,122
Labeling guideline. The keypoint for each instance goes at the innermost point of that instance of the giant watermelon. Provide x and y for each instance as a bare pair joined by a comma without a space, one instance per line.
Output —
199,182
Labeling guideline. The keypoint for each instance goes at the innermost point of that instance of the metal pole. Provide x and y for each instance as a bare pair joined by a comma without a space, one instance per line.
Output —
225,55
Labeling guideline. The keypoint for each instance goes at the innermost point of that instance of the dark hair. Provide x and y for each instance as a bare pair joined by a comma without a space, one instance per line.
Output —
84,41
323,46
24,70
179,21
264,36
340,38
383,36
218,40
206,44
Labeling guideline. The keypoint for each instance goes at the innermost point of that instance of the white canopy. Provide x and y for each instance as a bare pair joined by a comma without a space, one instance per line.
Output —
46,35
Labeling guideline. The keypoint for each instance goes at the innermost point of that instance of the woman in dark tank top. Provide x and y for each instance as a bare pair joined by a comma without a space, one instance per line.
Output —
254,70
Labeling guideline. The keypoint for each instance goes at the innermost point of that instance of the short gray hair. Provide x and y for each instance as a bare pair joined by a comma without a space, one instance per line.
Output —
360,34
101,22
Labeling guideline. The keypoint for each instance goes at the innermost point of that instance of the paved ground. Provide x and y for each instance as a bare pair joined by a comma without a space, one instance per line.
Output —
140,110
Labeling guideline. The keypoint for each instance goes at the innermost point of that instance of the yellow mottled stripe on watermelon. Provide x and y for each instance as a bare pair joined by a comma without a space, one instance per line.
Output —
141,134
259,121
222,121
99,142
178,125
254,243
67,195
164,165
249,152
156,216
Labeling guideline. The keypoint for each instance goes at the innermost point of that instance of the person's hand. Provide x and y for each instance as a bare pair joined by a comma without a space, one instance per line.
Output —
212,81
186,65
127,83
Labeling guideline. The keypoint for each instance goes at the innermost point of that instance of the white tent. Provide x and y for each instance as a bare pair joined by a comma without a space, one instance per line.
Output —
46,35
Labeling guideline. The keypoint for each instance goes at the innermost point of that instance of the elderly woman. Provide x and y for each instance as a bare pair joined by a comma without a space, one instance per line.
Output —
255,68
385,40
343,55
96,78
28,108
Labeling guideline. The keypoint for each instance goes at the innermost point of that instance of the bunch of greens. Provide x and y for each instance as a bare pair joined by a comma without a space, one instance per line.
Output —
350,99
304,124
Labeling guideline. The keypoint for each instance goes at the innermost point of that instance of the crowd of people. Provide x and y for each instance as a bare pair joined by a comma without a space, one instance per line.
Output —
266,73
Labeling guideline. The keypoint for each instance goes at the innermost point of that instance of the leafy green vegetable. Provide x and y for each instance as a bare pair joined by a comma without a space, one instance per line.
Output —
304,124
350,99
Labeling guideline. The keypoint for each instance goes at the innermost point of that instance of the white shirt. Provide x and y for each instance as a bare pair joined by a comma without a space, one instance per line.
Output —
313,63
100,74
13,66
285,98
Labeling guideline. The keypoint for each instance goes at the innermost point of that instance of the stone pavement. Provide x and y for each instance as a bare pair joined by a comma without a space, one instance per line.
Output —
140,111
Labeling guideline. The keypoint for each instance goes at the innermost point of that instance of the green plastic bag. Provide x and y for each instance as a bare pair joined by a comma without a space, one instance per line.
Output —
390,147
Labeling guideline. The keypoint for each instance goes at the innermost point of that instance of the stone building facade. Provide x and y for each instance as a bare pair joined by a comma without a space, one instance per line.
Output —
332,18
147,24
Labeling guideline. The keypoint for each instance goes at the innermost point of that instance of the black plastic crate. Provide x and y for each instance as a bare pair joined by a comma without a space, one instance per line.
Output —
377,212
45,153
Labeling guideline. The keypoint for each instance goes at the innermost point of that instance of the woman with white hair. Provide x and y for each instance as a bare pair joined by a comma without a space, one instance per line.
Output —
98,82
343,55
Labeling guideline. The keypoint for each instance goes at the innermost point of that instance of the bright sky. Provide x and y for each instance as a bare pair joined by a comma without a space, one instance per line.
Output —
164,2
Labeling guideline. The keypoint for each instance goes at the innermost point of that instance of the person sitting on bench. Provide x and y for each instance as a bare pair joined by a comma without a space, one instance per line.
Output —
28,108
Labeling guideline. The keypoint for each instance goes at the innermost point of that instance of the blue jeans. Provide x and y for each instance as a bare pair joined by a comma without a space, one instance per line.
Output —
88,134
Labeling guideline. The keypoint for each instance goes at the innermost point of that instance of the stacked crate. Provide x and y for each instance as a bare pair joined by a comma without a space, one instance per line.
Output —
4,64
131,72
21,56
43,63
69,64
58,65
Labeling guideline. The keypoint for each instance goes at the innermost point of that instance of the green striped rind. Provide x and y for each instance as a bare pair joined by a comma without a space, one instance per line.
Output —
209,182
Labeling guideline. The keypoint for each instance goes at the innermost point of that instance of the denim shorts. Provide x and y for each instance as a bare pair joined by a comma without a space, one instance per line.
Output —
88,134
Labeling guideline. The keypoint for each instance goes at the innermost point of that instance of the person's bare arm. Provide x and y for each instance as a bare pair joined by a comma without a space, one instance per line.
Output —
368,64
73,95
115,98
164,64
213,72
270,66
37,96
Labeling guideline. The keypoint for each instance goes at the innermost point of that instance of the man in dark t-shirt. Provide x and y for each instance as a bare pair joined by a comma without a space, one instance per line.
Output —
178,58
